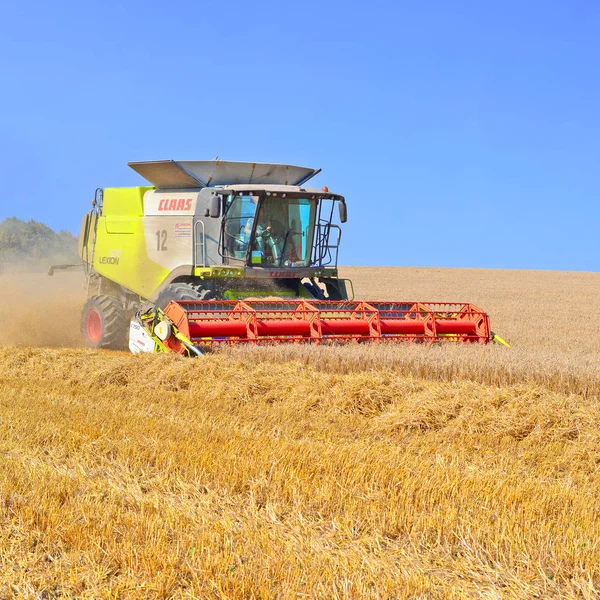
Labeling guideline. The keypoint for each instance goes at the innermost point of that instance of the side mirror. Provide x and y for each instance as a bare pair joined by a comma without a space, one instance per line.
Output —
343,212
215,206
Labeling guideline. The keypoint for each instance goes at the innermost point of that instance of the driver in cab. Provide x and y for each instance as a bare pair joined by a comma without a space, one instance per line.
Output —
270,239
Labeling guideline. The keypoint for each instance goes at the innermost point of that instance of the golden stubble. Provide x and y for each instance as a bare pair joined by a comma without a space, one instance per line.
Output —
332,472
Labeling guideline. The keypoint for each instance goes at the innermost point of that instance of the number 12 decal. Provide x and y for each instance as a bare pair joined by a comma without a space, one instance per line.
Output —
161,240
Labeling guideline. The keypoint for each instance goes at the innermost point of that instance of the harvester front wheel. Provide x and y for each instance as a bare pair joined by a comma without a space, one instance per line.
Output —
181,291
104,323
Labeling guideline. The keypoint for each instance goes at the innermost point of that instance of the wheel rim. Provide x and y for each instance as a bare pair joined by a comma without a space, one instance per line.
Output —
93,326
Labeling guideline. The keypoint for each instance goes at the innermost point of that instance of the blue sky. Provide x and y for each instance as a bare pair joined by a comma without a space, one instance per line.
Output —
461,133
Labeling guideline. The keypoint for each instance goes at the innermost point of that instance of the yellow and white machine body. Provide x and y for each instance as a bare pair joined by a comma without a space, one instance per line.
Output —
207,229
219,252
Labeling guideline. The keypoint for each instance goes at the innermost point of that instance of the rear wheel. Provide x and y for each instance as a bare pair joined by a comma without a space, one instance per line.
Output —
181,291
104,323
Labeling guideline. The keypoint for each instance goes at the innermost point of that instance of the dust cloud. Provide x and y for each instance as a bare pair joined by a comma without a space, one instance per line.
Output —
38,310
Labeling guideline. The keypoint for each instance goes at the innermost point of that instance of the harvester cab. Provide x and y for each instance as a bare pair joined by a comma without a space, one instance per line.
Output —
256,218
218,251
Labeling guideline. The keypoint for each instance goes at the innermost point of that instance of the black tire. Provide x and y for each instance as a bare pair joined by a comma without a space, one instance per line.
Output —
181,291
104,323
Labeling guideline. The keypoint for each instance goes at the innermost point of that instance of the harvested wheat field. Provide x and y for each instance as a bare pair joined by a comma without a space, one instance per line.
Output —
297,472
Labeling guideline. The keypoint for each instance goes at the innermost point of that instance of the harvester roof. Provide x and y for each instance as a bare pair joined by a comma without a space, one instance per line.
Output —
185,174
282,190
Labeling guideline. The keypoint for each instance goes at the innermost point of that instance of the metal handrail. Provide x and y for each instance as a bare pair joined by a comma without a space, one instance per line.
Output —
323,250
201,244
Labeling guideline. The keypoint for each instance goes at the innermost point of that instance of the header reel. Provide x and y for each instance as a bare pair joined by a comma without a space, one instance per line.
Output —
187,325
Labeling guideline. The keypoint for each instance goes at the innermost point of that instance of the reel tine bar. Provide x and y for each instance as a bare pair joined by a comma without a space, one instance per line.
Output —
317,321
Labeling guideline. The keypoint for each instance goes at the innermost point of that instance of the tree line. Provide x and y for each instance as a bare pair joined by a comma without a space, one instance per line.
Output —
33,246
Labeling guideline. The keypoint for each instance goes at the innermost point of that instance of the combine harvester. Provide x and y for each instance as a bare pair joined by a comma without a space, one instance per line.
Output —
233,252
